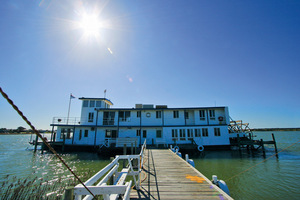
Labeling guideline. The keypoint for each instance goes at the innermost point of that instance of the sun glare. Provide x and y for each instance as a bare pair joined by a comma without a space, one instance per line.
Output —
90,24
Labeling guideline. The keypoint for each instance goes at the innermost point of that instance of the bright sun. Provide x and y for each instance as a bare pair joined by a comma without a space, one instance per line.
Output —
90,24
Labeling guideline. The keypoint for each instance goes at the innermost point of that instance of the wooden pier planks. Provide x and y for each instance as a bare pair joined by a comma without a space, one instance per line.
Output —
170,177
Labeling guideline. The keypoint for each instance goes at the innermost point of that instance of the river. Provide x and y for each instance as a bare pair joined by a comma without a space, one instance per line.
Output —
248,176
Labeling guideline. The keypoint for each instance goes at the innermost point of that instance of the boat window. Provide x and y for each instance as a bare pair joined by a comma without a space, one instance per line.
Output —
202,114
69,133
197,132
174,133
204,132
108,134
86,133
158,134
124,115
91,117
158,114
138,114
212,114
80,134
92,103
186,115
138,132
62,133
176,114
182,134
85,103
217,131
144,133
98,104
108,118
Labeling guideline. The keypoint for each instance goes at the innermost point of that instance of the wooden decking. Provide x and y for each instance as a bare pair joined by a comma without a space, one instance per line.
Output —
167,176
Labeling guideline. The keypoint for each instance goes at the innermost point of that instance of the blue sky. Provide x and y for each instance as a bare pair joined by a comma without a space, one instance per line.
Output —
241,54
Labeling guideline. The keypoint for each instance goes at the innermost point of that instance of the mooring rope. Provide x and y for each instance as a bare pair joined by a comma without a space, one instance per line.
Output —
262,161
41,137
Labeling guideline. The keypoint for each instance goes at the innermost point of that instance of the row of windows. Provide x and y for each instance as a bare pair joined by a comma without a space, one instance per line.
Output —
158,133
93,103
113,133
68,133
190,133
125,115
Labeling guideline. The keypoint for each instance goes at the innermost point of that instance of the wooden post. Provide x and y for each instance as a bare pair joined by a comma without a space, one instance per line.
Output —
263,147
69,193
43,146
36,142
275,146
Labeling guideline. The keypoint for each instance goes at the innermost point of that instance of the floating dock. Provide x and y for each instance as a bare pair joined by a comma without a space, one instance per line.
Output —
167,176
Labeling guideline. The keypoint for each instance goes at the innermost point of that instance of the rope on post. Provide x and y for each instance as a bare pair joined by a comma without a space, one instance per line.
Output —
41,137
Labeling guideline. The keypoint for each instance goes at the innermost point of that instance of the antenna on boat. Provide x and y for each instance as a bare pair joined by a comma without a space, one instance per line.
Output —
104,93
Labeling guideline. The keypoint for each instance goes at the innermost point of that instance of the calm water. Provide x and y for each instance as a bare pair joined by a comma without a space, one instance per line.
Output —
271,179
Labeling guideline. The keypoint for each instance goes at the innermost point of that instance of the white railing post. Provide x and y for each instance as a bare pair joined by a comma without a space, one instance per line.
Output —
186,157
78,197
119,187
215,179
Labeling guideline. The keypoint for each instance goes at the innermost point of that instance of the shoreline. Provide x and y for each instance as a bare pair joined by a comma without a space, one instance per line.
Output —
21,133
275,129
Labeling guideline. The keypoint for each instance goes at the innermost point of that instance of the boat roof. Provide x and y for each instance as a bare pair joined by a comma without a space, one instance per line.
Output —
97,99
186,108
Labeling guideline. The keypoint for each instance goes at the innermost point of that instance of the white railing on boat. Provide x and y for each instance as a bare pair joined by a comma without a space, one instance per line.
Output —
119,186
66,120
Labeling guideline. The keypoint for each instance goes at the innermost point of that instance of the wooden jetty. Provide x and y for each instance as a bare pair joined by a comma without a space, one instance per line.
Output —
168,176
250,144
156,174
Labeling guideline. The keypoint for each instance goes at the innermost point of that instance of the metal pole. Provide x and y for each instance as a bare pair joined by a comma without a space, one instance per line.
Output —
69,108
263,148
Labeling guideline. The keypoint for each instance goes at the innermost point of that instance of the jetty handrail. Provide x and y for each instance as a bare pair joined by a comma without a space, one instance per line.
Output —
111,170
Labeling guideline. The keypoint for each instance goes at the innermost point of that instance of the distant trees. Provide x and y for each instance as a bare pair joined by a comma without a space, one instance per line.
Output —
20,130
3,130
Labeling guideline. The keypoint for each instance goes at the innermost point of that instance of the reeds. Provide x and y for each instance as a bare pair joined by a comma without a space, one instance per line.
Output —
38,188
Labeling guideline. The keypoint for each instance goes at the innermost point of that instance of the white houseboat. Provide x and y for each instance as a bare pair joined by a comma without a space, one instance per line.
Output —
102,127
